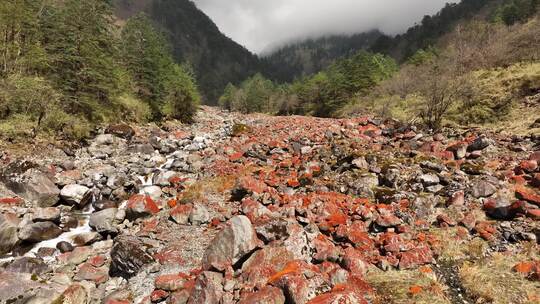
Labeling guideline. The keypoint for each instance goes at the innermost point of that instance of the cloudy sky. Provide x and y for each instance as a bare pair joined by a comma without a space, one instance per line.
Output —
262,24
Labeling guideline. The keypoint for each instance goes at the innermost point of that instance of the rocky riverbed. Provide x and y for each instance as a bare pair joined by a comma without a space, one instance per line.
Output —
260,209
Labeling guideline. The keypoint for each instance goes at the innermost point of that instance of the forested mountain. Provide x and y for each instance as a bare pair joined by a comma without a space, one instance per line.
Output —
311,56
65,67
196,40
430,29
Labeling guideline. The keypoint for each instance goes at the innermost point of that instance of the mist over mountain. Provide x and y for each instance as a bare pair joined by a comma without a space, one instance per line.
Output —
260,24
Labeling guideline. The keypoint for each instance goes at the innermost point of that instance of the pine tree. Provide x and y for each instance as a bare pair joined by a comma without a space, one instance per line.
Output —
80,40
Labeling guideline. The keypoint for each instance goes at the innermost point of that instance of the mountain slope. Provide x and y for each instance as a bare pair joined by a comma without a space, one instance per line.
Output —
430,29
215,58
310,56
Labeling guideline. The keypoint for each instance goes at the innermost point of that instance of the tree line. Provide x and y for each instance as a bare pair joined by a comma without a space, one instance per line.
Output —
320,94
68,65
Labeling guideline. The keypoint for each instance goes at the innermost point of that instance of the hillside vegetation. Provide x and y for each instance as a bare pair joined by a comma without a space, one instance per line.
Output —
195,38
65,66
478,72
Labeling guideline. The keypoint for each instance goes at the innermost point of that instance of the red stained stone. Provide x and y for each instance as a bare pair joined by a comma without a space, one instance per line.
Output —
355,262
468,221
485,230
251,185
530,269
11,201
142,202
415,257
325,249
457,199
171,282
117,302
236,156
181,213
528,165
533,213
169,256
265,263
355,291
360,240
445,221
90,273
158,295
266,295
97,261
528,194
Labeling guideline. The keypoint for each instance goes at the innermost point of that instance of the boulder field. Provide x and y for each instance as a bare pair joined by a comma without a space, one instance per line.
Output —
261,209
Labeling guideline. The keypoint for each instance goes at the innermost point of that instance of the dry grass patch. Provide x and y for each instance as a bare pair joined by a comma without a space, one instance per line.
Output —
408,286
199,190
492,280
453,248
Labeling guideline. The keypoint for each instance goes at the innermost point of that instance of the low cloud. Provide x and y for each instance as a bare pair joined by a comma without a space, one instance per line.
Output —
260,24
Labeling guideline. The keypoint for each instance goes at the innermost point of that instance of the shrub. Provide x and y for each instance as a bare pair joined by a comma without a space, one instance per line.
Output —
133,110
182,99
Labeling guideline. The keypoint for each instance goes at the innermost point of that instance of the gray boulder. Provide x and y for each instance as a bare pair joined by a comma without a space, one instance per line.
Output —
41,231
76,195
35,187
231,244
483,189
103,221
8,232
128,257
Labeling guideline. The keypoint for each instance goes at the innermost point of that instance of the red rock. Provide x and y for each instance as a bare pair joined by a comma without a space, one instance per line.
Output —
255,211
117,302
354,261
415,257
171,282
169,256
266,295
325,249
528,165
11,201
445,220
415,289
355,291
236,156
535,156
528,194
180,214
264,263
141,205
97,261
360,240
468,221
158,295
530,269
178,297
485,230
75,293
88,272
248,185
533,213
392,242
387,220
295,286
